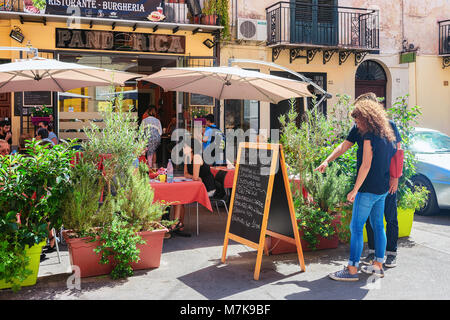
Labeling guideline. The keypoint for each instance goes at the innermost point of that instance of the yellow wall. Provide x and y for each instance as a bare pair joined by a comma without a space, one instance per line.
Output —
428,91
340,78
43,38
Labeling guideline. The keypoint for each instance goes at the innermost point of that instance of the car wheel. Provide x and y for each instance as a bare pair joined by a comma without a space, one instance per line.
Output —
431,207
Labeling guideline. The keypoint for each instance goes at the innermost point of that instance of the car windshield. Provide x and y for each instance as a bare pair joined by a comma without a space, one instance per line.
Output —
430,142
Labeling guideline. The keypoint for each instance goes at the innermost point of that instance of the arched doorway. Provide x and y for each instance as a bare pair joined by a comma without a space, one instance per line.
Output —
371,77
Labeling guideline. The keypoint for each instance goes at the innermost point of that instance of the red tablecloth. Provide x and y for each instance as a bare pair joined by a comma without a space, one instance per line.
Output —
229,178
184,192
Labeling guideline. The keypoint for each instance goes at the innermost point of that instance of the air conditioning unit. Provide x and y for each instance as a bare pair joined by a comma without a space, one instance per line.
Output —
176,12
252,29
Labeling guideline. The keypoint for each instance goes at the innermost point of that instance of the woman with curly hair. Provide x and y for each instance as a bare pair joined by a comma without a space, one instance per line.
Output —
376,146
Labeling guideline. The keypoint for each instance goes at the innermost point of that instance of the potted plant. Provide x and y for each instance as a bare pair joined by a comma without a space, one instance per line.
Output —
216,12
41,113
209,12
318,214
82,218
30,197
117,229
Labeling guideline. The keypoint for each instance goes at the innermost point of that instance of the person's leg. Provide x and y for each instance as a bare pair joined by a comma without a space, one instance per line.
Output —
370,244
361,209
390,213
376,219
150,160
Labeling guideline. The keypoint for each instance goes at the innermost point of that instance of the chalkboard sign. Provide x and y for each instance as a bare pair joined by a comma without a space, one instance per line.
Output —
249,199
200,100
37,98
255,211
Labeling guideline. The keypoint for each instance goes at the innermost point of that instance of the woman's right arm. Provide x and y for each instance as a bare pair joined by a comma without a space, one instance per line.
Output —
339,151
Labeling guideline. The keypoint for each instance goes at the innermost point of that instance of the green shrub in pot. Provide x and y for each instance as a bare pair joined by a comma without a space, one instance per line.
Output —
31,192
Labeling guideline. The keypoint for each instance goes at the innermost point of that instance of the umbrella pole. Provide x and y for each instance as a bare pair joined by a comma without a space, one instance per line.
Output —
326,95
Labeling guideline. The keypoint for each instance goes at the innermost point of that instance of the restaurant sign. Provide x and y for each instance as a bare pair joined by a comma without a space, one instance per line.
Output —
122,9
119,41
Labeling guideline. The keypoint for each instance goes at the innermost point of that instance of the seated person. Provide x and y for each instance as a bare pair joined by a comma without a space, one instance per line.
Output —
42,134
51,135
4,148
196,169
23,141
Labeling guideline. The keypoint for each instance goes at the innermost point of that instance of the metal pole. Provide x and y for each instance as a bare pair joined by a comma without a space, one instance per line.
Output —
326,95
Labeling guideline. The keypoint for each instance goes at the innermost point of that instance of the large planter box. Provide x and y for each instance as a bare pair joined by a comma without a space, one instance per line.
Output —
405,221
81,254
277,246
150,251
34,253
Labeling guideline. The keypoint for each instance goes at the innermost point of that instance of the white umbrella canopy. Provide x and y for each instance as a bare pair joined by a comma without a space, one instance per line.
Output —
229,83
39,74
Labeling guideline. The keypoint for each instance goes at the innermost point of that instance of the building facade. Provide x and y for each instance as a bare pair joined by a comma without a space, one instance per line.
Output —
119,35
392,48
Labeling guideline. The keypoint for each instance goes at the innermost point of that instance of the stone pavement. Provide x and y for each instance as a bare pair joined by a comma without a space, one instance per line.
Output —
191,269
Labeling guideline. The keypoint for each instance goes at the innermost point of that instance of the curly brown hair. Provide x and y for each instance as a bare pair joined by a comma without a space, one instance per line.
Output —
374,117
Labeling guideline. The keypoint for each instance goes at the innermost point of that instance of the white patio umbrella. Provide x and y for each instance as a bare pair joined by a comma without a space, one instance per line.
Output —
39,74
229,83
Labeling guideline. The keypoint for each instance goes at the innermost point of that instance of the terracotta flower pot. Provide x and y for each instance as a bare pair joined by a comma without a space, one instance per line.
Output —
150,252
277,246
210,19
81,253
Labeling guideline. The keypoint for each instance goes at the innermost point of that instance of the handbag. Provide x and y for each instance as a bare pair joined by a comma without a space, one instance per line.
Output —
396,168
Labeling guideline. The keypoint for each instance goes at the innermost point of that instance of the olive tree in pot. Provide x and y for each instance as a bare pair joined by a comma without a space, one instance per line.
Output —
305,146
127,208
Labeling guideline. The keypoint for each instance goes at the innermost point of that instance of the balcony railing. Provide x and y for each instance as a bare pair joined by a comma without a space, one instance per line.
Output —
175,11
322,25
444,37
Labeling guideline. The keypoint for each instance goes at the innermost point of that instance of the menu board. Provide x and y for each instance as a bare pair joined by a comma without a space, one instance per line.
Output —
37,98
249,199
261,202
200,100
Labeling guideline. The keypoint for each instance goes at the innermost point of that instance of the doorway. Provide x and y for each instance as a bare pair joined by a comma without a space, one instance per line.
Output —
371,77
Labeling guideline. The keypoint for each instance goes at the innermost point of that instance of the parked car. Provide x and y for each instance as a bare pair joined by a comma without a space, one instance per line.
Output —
432,152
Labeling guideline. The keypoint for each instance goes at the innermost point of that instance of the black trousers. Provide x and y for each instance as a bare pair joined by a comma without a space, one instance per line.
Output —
390,214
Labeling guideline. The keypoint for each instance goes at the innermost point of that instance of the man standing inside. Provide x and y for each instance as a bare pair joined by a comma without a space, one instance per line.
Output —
211,137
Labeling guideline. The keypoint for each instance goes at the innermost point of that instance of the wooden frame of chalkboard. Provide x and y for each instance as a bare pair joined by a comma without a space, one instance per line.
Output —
278,213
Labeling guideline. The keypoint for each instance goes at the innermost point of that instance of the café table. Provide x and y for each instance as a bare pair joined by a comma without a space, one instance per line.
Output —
181,192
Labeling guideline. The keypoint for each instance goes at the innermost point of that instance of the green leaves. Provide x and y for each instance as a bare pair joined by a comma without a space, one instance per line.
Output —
119,246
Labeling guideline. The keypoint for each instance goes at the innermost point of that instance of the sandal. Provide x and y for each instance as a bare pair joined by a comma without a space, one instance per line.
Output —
177,227
168,235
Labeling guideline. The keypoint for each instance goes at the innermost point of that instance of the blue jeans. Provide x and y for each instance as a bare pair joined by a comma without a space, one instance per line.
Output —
367,205
390,214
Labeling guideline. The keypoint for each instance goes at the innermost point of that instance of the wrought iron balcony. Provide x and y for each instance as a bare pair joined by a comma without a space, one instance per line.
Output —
444,37
295,24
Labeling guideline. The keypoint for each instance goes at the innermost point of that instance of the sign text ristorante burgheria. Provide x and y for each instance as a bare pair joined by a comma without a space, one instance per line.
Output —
119,41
